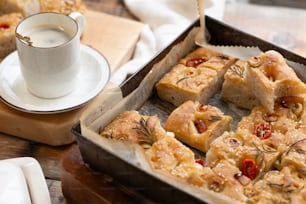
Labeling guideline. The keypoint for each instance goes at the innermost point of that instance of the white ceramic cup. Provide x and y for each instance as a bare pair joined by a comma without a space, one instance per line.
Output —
48,46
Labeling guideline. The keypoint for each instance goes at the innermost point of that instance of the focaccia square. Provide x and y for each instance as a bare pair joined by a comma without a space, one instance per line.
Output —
269,77
183,83
198,76
25,7
205,57
197,125
169,155
62,6
279,129
235,88
134,127
222,178
240,148
284,186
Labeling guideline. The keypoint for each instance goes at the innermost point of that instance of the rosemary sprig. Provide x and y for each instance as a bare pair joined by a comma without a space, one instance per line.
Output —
283,188
293,146
264,149
276,185
182,79
260,158
146,134
214,118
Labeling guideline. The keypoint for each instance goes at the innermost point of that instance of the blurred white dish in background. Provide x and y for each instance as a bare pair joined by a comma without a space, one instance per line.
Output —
23,181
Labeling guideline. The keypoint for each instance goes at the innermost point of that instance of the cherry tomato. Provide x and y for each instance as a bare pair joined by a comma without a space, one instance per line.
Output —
200,125
194,62
4,26
249,168
200,161
263,130
202,107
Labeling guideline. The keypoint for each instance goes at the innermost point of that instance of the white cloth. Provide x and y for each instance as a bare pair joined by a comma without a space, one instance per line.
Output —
164,20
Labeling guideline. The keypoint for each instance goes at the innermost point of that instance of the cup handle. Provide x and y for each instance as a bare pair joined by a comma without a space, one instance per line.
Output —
80,19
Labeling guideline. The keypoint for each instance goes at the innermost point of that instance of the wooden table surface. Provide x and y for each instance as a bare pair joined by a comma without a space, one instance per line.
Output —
50,157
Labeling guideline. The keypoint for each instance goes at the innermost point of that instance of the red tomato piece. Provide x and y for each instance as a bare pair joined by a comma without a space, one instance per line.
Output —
263,130
4,26
200,125
194,62
249,168
200,161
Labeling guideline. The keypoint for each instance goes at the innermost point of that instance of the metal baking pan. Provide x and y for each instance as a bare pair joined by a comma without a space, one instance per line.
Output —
130,175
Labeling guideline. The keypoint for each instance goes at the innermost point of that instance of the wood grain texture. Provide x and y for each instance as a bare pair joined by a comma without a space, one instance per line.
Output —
55,190
115,37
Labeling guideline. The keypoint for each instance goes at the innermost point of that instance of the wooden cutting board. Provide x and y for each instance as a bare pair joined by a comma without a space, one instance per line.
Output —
115,38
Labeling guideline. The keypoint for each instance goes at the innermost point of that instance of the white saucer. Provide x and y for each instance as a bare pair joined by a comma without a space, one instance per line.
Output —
28,182
94,75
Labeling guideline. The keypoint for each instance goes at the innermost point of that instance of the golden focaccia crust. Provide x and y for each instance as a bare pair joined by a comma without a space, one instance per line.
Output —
197,76
235,88
171,156
269,77
197,125
183,83
285,186
236,147
296,157
134,127
221,179
62,6
8,23
205,57
295,154
287,122
25,7
122,128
